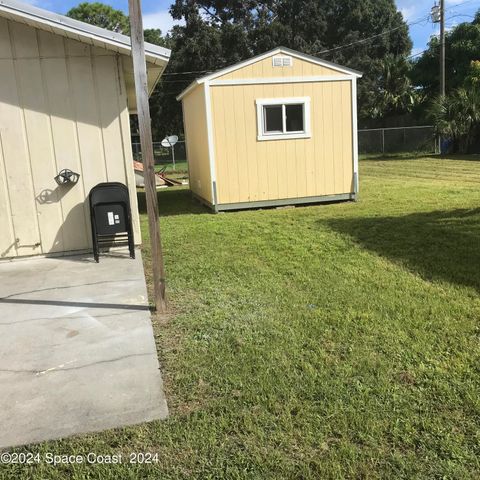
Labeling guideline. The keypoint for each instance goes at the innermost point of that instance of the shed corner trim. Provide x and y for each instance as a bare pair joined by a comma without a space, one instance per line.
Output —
210,141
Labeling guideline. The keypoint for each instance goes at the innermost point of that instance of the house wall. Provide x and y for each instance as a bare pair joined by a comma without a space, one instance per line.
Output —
196,135
249,170
62,105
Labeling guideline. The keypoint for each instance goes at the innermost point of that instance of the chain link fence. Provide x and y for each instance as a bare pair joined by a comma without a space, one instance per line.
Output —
373,141
398,140
163,155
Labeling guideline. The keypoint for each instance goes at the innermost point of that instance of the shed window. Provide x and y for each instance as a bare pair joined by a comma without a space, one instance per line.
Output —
294,118
273,118
283,118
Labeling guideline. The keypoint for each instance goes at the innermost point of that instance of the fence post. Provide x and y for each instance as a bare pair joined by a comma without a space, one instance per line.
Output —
383,141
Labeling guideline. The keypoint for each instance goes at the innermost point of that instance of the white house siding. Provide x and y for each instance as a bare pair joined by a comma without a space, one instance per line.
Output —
63,104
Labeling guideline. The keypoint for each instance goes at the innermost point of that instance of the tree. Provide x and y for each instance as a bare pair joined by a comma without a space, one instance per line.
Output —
396,93
473,78
154,36
457,117
462,46
196,50
348,23
222,32
107,17
102,16
216,33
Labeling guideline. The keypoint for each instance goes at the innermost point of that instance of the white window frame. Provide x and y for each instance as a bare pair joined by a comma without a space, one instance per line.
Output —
265,102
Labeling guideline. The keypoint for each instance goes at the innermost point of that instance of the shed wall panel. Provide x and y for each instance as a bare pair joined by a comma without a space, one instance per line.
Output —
62,105
250,170
196,135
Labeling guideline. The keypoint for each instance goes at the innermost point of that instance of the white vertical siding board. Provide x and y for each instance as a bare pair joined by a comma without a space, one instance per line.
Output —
106,81
124,119
17,161
5,46
60,107
50,45
101,121
82,95
41,37
23,40
74,48
130,174
64,134
7,233
87,122
38,140
43,168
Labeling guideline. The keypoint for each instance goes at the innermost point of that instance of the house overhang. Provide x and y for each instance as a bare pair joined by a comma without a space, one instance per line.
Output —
156,57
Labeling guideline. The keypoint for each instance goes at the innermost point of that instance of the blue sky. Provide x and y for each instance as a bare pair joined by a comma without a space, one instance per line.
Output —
414,11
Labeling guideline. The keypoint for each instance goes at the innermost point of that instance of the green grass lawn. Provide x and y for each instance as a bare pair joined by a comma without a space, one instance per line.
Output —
322,342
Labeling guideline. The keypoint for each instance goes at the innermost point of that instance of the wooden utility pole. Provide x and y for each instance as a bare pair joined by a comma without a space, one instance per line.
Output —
442,48
438,16
144,122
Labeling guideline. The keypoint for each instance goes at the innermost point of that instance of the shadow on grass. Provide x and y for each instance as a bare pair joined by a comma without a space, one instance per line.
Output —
441,245
173,201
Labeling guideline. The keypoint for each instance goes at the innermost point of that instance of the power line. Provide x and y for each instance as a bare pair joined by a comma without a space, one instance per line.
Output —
416,22
420,20
428,49
386,32
460,4
186,73
417,54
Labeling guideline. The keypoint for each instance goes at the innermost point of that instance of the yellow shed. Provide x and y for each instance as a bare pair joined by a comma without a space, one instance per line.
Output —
66,91
277,129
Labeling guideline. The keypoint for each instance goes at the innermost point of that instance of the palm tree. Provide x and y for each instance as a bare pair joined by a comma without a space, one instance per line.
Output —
397,94
457,116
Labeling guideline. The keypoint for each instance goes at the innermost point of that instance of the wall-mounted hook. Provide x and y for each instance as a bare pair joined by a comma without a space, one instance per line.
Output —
66,177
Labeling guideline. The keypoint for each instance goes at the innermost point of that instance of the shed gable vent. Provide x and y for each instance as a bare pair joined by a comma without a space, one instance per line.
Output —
282,61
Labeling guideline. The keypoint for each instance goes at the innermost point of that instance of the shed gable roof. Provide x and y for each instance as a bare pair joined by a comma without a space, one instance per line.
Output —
277,51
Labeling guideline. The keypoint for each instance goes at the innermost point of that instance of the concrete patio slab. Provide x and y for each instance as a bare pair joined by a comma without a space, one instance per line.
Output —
77,352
